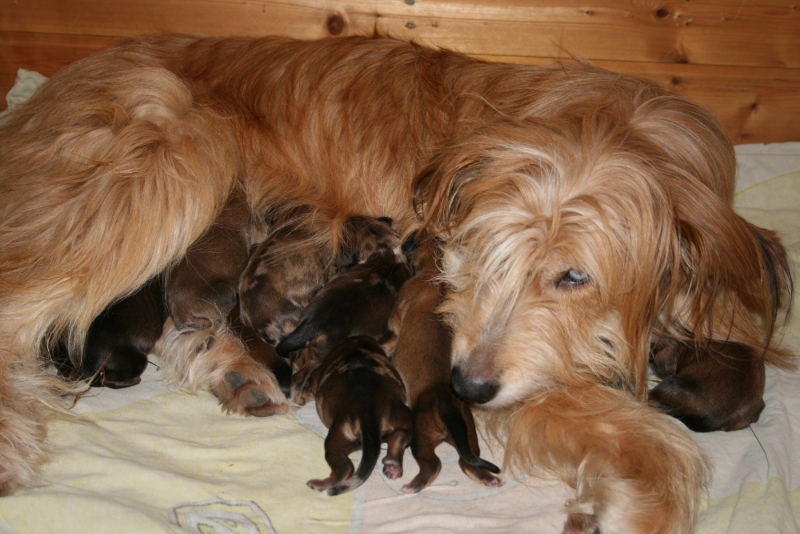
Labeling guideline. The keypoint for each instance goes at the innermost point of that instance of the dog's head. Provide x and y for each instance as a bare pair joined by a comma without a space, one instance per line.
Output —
570,237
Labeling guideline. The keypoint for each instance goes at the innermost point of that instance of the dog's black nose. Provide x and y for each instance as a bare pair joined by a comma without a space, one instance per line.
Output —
472,389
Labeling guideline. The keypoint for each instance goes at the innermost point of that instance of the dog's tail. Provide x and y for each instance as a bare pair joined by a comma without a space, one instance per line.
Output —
453,419
370,451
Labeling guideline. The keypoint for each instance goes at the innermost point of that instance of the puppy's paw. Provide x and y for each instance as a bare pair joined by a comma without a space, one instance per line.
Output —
319,484
391,469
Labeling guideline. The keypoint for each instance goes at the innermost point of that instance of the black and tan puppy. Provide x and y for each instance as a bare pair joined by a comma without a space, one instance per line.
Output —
717,387
201,289
361,399
286,270
119,340
422,357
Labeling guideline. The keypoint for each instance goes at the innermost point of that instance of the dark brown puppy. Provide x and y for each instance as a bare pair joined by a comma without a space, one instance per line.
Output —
119,340
422,357
719,386
201,289
358,302
361,399
296,260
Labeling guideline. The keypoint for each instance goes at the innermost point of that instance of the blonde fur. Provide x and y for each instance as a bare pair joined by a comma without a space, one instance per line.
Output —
583,213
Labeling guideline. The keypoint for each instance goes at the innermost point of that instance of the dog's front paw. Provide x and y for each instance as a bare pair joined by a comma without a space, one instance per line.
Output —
252,391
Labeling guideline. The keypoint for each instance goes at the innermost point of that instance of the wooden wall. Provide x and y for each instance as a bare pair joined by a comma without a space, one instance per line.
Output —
740,58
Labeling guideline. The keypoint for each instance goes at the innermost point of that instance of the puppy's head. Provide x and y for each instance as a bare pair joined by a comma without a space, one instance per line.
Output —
569,237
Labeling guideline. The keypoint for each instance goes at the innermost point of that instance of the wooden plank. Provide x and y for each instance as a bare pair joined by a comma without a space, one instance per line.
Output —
44,53
721,32
755,104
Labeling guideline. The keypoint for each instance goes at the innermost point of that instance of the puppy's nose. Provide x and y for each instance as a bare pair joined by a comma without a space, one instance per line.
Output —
472,389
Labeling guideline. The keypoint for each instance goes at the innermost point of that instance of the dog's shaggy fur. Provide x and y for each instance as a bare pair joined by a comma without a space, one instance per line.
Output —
584,215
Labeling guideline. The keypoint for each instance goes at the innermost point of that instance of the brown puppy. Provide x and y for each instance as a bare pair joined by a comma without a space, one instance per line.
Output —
293,263
361,399
715,387
201,288
358,302
422,357
119,340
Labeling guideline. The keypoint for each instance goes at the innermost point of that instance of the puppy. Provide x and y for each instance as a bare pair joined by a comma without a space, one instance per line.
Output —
358,302
719,386
119,340
361,399
202,288
422,358
292,264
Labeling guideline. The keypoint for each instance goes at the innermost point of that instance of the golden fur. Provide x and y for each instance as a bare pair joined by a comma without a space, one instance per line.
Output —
584,214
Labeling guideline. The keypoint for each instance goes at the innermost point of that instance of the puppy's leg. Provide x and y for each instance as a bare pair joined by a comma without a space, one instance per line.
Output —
429,432
397,441
477,469
633,469
338,446
217,360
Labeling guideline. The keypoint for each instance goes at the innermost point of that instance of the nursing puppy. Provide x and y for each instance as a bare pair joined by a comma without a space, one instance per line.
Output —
361,399
202,288
358,302
119,340
581,211
422,357
295,261
716,387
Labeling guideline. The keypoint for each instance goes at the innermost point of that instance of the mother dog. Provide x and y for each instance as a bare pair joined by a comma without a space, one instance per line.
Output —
585,215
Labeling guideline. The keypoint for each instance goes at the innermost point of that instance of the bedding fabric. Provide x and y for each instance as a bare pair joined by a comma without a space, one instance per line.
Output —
155,459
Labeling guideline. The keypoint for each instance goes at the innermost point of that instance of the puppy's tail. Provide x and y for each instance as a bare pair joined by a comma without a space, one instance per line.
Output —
297,339
370,451
453,419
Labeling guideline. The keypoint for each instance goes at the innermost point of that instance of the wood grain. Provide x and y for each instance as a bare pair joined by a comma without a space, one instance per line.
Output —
740,59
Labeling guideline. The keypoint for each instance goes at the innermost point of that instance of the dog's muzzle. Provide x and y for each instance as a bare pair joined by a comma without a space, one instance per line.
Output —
472,389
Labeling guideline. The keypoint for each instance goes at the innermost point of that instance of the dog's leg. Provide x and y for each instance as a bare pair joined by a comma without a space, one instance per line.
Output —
634,470
103,184
217,360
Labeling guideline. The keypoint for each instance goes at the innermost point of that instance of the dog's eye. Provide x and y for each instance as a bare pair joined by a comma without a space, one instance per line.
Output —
573,278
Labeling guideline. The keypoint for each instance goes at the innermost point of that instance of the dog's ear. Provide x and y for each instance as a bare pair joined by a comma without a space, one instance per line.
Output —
734,276
437,198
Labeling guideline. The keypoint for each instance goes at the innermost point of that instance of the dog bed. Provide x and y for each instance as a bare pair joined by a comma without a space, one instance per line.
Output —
156,459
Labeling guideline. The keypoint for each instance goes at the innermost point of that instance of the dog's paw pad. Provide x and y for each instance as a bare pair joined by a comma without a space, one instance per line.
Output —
253,398
234,380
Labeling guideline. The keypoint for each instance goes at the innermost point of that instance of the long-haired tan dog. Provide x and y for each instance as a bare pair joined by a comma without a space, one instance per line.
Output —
584,213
